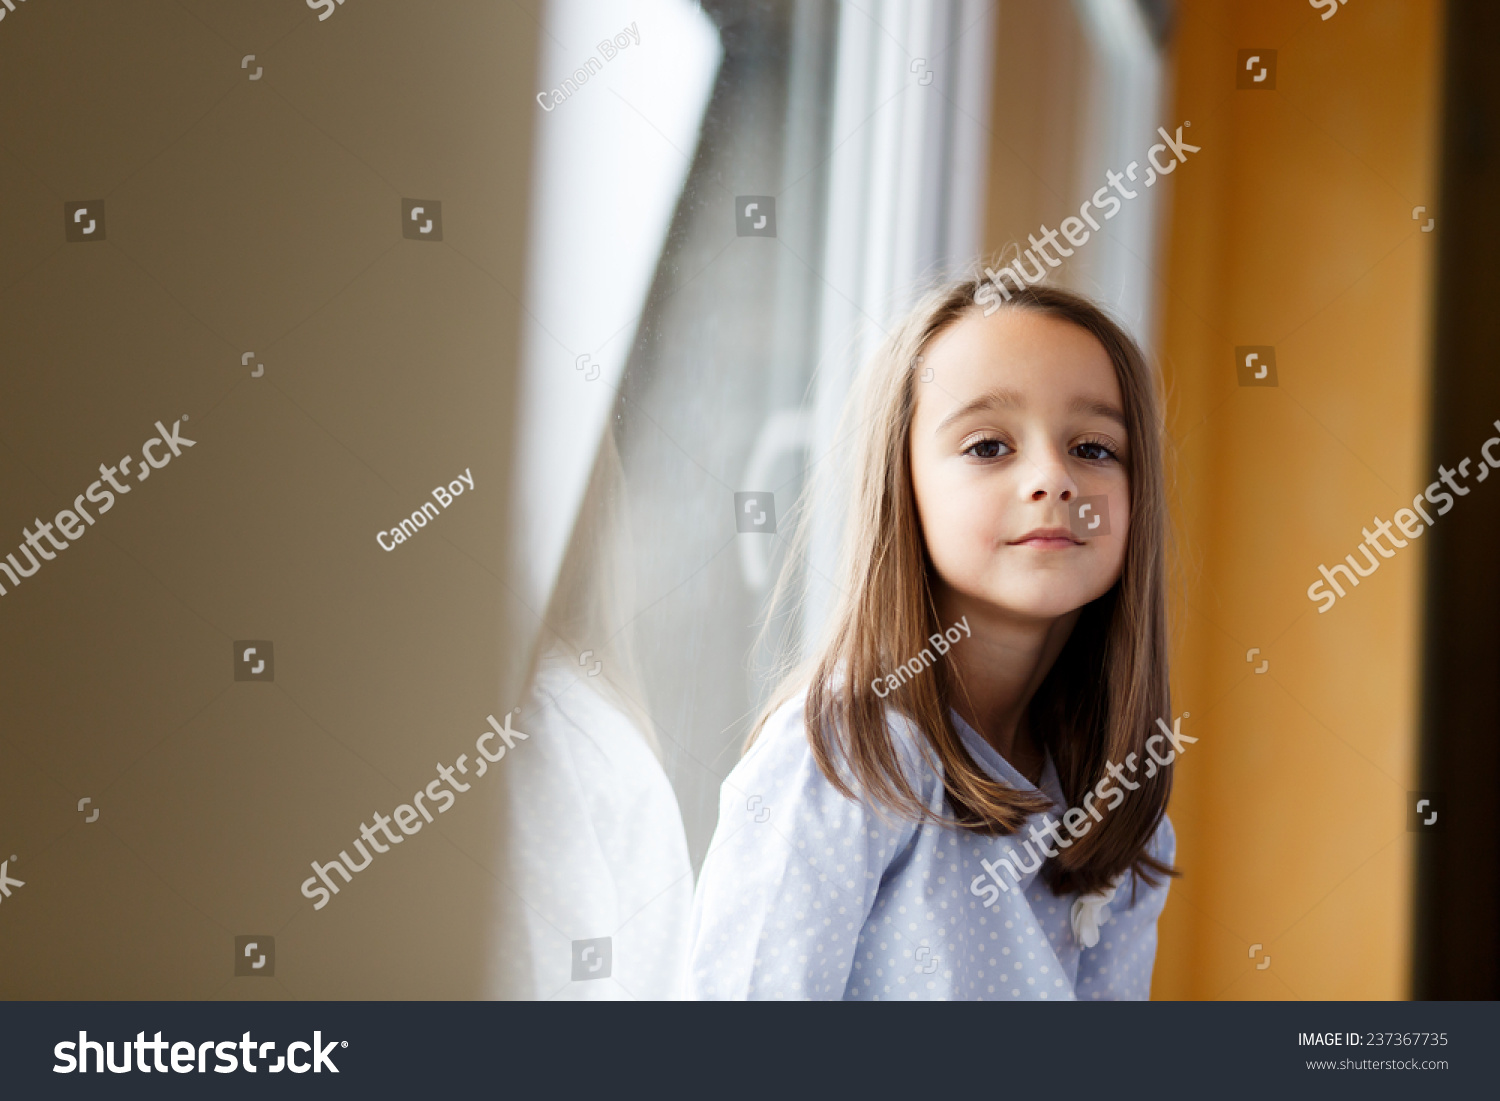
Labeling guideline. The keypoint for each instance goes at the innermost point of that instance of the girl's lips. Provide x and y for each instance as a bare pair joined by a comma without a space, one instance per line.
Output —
1044,539
1045,542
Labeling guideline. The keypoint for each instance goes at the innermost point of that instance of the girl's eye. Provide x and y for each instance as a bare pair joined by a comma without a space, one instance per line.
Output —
1094,451
985,449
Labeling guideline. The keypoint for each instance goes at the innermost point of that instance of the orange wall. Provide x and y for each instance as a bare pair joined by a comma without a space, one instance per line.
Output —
1293,227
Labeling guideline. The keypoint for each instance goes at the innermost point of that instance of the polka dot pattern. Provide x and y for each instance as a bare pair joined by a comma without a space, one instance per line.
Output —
810,895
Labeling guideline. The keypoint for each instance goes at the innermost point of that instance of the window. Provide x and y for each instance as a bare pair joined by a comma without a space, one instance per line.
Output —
696,322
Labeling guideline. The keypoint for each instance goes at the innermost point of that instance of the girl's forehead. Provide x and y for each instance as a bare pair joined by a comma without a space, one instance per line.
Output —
1035,356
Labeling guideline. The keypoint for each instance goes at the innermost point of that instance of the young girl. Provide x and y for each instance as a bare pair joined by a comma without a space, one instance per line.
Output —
955,798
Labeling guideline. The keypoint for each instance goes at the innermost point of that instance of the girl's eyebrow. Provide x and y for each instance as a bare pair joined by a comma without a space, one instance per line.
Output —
1011,399
990,399
1098,409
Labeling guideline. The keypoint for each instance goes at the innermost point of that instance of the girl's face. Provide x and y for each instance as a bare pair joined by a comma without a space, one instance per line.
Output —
1021,417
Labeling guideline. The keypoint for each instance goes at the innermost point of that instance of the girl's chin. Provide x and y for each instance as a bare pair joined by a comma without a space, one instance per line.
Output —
1035,605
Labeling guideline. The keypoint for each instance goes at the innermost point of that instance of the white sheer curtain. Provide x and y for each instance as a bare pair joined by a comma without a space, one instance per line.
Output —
1122,107
909,167
592,839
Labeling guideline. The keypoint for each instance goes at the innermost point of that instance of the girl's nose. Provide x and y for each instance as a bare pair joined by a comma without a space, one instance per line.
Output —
1049,477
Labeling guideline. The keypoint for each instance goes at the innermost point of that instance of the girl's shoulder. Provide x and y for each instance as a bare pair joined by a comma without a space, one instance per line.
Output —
783,749
1163,843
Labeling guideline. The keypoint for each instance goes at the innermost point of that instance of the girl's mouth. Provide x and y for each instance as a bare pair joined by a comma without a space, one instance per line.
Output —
1048,539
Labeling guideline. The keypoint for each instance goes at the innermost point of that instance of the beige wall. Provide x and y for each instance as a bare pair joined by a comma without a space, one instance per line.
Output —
255,216
1293,228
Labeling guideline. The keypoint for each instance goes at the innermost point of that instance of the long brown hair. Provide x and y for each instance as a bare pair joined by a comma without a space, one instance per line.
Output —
1102,696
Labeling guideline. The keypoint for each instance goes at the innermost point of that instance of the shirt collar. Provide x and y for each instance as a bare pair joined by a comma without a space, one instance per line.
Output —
999,768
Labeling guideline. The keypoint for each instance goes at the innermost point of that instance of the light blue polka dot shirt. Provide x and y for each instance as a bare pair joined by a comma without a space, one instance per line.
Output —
807,894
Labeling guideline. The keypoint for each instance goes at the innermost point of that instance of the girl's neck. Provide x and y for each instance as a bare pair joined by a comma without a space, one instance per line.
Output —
997,672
